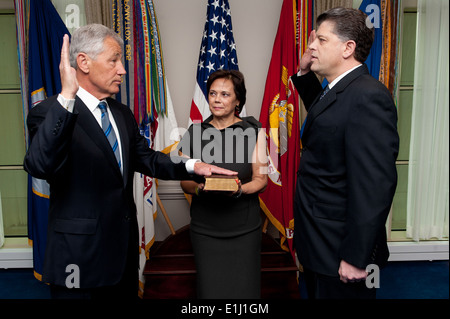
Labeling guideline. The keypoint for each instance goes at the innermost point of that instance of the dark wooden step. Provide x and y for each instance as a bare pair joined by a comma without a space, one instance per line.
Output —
170,272
184,264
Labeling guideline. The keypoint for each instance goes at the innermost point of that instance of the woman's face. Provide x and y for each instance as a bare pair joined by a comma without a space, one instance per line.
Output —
222,99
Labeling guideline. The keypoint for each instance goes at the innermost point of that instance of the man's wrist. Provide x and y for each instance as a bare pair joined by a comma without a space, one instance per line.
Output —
303,72
190,163
66,103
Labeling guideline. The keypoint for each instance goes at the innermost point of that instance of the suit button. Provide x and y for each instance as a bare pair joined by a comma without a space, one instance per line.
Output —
127,218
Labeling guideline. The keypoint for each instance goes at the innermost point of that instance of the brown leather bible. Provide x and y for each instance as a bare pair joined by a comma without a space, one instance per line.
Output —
221,183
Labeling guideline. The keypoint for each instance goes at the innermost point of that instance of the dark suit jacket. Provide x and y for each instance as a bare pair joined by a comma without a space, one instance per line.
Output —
347,175
92,211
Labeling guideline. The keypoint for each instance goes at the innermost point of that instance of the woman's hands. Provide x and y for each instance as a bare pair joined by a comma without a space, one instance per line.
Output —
193,188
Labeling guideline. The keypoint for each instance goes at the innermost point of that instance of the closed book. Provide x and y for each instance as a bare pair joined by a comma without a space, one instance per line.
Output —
222,183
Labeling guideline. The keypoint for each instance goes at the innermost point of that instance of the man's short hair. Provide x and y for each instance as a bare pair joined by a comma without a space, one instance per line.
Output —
89,39
350,24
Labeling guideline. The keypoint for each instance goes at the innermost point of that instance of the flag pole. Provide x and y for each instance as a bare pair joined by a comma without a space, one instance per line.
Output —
163,211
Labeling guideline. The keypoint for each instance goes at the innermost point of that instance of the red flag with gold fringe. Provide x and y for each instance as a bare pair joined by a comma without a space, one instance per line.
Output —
280,117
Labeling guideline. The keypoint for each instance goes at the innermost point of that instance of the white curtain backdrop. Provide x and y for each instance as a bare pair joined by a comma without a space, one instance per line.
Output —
428,186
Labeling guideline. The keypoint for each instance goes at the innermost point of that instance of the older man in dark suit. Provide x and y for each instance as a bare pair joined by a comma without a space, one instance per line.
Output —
347,175
88,146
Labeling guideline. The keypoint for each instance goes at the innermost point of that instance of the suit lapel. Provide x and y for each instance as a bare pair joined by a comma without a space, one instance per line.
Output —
320,106
89,124
123,133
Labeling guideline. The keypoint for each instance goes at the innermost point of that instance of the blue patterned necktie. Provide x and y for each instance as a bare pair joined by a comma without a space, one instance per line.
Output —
325,91
109,132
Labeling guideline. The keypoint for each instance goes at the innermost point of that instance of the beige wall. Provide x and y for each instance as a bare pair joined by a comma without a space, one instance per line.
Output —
181,24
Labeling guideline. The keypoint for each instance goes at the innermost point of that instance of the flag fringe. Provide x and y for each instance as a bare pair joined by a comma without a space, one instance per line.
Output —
277,225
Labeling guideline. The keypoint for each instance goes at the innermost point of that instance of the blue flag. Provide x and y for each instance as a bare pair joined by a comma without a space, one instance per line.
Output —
373,9
46,31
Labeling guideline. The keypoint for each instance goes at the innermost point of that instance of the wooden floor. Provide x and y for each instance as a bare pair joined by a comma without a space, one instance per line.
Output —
170,272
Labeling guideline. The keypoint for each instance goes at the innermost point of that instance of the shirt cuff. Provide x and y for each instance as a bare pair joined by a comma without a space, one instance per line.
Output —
190,165
66,103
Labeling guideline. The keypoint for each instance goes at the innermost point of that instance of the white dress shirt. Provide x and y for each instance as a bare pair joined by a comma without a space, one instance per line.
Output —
336,80
92,104
340,77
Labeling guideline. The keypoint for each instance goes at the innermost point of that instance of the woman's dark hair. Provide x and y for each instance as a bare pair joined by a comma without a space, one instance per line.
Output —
350,24
238,83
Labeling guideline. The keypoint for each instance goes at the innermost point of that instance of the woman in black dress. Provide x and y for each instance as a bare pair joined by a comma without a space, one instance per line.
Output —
226,228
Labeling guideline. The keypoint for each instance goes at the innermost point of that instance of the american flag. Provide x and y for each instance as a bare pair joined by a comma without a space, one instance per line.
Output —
218,51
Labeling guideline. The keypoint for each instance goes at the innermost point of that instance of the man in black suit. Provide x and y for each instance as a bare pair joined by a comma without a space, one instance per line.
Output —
347,175
88,152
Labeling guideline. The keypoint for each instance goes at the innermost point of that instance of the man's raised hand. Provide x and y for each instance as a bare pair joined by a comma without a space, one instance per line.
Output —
305,61
69,81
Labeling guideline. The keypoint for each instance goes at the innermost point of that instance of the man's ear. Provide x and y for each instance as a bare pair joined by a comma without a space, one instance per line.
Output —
83,62
350,47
